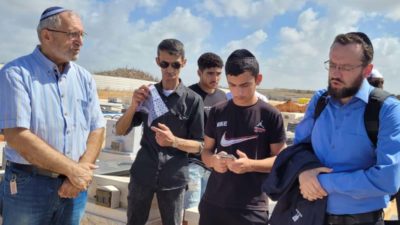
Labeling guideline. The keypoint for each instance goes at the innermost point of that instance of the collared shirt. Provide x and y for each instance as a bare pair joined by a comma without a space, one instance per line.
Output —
363,176
165,167
61,108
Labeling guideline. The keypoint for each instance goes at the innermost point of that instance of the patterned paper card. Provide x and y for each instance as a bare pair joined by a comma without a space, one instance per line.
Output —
153,106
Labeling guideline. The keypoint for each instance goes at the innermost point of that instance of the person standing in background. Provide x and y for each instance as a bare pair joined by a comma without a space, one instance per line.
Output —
376,79
209,70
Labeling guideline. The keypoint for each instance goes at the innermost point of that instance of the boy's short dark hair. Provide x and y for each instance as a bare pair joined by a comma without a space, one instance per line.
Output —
172,46
209,60
240,61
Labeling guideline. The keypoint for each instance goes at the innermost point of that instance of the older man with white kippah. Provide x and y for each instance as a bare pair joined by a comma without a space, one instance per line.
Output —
376,79
53,125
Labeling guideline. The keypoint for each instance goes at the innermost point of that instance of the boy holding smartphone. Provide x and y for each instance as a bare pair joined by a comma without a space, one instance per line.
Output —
253,132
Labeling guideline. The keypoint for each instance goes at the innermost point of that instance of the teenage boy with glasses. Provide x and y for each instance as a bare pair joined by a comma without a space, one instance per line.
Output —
161,165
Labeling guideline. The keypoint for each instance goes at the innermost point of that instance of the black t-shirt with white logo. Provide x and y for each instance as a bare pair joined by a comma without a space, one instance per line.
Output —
250,129
209,101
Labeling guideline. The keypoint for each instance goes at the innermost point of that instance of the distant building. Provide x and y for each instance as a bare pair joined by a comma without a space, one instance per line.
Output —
118,83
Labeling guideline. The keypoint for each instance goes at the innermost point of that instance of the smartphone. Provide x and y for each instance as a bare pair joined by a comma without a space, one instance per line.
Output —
224,155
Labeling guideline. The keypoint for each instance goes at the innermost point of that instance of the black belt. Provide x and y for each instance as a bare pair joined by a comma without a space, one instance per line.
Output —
33,169
350,219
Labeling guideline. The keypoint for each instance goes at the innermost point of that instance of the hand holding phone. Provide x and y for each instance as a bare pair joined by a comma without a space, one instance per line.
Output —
224,155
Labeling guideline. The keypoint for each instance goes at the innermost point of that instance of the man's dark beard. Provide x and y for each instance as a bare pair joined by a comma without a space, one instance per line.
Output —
346,92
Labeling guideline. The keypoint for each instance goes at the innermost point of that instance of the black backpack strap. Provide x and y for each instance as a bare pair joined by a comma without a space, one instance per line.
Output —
321,103
371,114
371,122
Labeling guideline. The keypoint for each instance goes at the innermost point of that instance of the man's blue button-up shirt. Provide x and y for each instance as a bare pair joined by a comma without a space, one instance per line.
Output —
362,175
60,108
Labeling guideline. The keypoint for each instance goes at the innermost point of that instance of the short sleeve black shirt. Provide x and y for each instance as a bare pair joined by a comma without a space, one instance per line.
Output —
250,129
209,101
166,167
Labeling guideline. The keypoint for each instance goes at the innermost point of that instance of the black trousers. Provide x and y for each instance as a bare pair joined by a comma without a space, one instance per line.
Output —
373,223
370,218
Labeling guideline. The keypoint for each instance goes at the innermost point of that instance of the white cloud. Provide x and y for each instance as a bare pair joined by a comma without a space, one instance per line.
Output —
250,42
134,44
227,8
298,62
252,13
151,6
308,20
113,40
394,14
387,8
20,19
302,49
151,3
387,55
118,37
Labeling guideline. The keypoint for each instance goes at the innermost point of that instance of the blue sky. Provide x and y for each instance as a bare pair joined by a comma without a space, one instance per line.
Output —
290,38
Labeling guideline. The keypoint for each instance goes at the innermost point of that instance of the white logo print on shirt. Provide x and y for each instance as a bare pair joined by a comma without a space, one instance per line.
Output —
259,128
231,141
222,124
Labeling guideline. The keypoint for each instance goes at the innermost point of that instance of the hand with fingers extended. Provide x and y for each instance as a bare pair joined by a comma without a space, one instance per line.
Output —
140,95
81,175
240,165
310,187
164,136
68,190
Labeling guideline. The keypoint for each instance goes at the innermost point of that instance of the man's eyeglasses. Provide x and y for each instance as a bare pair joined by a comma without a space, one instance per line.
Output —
175,65
71,35
342,68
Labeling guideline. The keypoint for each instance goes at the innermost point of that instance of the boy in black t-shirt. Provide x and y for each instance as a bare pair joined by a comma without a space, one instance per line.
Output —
250,130
209,71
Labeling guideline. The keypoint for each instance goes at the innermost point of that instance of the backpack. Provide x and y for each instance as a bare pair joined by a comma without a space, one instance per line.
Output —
371,120
371,114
